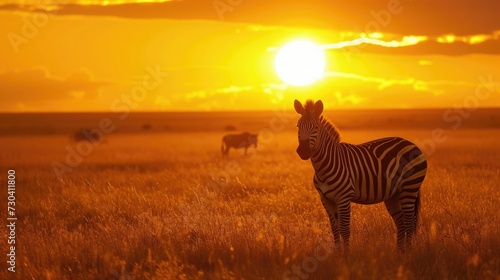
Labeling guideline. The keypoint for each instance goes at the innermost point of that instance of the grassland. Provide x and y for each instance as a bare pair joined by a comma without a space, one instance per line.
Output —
166,205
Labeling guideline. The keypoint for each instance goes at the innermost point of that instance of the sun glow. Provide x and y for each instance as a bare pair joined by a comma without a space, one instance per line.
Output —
300,63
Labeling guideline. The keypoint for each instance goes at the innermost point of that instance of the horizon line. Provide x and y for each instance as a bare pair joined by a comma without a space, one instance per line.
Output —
239,111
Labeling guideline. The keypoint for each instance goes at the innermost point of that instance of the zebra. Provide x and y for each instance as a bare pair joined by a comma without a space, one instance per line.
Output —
388,170
237,141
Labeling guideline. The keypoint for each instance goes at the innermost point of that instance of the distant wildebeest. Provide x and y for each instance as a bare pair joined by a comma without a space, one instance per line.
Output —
237,141
388,170
89,135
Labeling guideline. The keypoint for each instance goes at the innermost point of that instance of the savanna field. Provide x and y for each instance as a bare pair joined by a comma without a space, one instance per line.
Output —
158,201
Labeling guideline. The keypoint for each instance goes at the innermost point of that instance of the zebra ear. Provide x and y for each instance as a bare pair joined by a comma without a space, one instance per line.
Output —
298,107
318,107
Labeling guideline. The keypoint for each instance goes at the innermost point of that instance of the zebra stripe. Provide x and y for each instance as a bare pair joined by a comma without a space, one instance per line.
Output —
389,170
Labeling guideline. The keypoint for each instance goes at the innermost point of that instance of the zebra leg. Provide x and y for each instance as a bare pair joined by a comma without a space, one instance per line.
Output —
394,208
345,220
332,212
408,199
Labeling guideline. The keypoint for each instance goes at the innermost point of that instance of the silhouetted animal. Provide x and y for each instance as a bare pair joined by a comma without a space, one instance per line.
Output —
237,141
88,135
388,170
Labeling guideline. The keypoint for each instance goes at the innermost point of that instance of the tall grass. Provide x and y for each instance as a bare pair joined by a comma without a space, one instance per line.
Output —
149,207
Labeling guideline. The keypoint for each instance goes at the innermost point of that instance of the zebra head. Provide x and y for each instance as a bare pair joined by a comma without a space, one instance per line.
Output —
308,126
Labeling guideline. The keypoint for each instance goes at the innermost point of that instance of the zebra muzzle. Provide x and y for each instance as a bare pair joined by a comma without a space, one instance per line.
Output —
303,150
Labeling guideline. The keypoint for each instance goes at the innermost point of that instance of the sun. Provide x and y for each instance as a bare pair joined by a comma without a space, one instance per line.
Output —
300,63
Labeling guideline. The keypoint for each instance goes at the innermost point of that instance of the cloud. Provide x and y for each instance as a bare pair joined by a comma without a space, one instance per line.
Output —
403,42
379,92
411,17
447,44
252,97
422,45
193,83
418,29
346,99
38,85
436,87
336,89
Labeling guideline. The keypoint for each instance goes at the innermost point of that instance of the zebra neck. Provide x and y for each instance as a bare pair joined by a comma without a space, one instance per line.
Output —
327,143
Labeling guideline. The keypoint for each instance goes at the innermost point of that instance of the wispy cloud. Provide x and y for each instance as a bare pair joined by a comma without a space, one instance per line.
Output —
414,44
435,87
405,41
346,99
38,85
420,17
471,39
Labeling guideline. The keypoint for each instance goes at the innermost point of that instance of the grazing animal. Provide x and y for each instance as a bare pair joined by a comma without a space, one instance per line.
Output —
88,135
388,170
237,141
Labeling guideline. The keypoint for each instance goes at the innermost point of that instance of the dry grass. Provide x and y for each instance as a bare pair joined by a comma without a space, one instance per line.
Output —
147,207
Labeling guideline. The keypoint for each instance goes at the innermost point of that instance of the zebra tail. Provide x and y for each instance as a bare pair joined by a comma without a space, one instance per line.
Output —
417,211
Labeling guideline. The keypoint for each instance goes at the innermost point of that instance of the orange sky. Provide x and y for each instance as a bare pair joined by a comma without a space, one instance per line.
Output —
86,56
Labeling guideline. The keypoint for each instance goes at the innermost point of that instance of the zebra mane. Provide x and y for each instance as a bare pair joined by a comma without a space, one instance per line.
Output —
309,107
330,128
